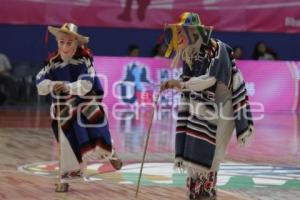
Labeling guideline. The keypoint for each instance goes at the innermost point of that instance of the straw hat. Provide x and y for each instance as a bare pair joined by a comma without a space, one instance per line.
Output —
71,29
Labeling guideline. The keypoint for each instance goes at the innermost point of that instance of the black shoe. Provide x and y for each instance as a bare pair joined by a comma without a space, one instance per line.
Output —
62,187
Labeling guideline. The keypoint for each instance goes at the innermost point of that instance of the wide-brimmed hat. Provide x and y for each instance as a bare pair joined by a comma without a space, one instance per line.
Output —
190,24
71,29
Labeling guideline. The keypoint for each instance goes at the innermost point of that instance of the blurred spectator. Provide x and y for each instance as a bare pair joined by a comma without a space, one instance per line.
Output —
157,51
5,66
7,83
263,52
238,52
133,50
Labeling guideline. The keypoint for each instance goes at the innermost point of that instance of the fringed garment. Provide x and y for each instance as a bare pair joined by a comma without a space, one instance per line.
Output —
206,119
83,122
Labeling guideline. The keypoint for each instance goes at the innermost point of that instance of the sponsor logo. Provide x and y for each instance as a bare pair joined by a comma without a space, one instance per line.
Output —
291,21
231,175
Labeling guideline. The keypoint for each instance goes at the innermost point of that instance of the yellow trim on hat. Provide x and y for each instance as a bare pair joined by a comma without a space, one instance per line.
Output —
173,45
184,17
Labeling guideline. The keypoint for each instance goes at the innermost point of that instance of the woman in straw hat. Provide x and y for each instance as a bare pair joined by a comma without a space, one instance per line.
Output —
213,102
76,92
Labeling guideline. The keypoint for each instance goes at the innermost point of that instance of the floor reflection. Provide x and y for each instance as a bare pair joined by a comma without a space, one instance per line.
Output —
276,139
26,138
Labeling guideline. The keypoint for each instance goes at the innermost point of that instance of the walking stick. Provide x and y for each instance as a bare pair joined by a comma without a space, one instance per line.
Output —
146,146
60,187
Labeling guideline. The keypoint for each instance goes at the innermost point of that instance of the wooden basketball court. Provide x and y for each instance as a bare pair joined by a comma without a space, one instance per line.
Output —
27,139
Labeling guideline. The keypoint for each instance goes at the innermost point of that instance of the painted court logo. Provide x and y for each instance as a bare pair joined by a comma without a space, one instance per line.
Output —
231,175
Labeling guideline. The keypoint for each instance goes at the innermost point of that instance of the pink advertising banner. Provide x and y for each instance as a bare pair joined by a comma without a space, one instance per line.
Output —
224,15
272,85
128,80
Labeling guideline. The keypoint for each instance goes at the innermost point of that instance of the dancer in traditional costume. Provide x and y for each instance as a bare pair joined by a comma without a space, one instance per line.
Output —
76,93
214,101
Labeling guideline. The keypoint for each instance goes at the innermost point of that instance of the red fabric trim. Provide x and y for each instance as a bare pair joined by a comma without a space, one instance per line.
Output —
100,143
197,133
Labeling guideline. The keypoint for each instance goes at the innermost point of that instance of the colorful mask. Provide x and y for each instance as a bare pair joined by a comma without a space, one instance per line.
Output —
186,32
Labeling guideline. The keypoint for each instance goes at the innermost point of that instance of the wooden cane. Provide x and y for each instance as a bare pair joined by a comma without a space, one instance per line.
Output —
59,142
60,187
146,146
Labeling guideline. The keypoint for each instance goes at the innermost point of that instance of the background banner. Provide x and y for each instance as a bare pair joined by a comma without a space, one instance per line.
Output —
223,15
132,81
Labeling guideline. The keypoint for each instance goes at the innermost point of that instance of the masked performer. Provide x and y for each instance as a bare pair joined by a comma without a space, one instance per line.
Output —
76,93
214,101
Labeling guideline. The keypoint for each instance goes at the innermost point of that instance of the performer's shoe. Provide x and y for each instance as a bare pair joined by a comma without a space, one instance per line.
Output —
62,187
190,197
116,162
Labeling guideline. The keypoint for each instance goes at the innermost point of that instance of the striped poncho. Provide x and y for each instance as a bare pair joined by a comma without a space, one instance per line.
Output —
82,117
199,112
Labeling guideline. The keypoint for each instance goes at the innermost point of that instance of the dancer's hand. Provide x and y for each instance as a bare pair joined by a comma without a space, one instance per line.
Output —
60,87
171,84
